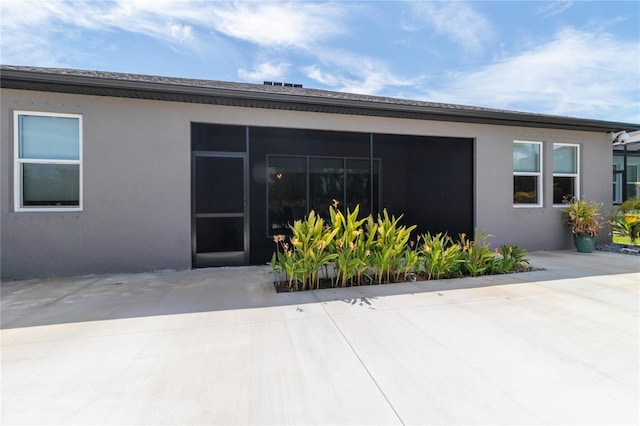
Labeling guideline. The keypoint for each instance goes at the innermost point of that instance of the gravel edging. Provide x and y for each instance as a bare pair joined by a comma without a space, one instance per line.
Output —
619,248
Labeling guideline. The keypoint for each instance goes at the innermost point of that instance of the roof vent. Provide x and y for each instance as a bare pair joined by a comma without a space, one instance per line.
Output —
280,84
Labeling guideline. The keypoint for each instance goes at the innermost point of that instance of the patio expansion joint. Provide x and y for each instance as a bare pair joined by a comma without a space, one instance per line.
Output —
321,303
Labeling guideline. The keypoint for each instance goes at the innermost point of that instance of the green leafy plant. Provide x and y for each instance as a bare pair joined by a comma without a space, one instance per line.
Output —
583,217
625,220
390,241
439,257
509,259
364,251
351,251
286,264
475,253
312,242
410,262
347,243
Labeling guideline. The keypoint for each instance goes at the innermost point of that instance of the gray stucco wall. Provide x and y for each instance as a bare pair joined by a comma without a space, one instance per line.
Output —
536,228
136,214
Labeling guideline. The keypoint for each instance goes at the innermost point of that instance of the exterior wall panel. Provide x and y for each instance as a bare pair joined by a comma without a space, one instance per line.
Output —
136,212
137,194
535,228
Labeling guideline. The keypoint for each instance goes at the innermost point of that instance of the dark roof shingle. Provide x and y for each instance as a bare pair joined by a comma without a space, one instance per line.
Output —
106,83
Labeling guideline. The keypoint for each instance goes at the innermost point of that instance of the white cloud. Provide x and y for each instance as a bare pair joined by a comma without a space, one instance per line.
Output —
456,20
579,73
355,74
323,77
264,71
277,24
43,27
554,8
187,24
180,32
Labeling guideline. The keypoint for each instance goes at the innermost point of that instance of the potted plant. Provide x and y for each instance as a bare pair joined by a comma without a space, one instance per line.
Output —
583,218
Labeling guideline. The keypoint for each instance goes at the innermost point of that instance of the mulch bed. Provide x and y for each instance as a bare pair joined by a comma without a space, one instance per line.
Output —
283,287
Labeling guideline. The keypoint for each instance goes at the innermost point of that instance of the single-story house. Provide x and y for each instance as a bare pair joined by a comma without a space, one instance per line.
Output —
107,172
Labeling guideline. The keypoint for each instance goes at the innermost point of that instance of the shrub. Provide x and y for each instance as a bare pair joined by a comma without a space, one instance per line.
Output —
389,241
625,220
354,251
440,257
347,244
508,259
476,255
313,247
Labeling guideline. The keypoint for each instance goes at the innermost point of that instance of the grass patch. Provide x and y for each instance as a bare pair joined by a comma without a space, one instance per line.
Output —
618,239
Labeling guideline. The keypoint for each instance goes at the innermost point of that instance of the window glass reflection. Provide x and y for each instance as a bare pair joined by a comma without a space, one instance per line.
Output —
287,186
51,184
297,185
326,183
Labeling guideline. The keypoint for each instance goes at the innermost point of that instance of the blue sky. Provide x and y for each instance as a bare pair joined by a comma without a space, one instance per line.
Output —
573,58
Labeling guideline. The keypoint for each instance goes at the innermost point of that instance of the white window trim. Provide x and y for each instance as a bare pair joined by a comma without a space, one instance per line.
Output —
538,175
575,175
18,162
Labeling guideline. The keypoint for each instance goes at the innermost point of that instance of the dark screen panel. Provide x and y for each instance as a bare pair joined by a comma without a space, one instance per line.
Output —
309,142
218,137
429,180
215,235
219,185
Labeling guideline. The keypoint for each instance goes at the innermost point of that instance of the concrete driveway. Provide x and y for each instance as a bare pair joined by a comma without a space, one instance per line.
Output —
219,346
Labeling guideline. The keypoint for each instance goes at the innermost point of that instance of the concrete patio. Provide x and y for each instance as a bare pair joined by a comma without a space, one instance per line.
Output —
219,346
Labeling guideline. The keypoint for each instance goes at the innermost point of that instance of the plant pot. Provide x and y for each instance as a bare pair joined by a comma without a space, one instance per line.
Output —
584,242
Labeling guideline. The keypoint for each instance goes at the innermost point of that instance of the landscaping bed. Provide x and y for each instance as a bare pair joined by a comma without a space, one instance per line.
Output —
349,251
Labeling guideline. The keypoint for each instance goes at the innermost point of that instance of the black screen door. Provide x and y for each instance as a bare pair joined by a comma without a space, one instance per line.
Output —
219,212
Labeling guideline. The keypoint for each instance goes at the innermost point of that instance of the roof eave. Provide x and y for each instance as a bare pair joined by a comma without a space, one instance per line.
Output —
67,83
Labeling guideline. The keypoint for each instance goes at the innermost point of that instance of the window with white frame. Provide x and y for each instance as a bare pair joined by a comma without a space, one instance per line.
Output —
566,165
48,161
527,174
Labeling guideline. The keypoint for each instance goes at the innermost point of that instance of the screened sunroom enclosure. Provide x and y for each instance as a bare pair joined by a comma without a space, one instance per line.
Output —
250,183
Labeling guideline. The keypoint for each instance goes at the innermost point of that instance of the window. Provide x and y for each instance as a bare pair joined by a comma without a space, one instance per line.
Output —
617,185
326,183
566,163
48,166
527,174
298,184
632,181
287,196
